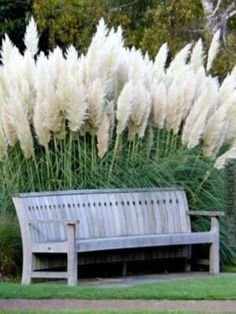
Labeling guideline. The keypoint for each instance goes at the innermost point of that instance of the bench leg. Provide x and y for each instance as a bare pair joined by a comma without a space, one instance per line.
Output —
187,266
214,258
124,269
72,256
27,268
215,247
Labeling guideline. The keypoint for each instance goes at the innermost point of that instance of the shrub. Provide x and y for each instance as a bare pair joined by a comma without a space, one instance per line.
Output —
10,245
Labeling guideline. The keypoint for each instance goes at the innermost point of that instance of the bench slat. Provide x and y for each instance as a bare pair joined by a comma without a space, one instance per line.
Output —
144,241
104,244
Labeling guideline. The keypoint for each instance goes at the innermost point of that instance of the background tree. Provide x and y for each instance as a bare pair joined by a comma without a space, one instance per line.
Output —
14,15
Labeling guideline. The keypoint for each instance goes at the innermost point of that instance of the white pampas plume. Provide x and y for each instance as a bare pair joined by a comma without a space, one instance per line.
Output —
96,101
221,160
173,105
141,110
7,47
142,128
77,108
197,56
198,129
8,127
136,65
124,106
140,106
213,50
160,62
226,89
200,79
47,116
160,59
31,38
56,63
231,116
19,120
179,60
95,53
105,129
100,35
3,145
187,93
72,59
215,132
43,134
202,108
159,104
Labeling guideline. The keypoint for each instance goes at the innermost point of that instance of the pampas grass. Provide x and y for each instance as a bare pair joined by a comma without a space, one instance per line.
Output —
113,117
62,93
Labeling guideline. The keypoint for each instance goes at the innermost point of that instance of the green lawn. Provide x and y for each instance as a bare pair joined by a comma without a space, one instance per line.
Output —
98,312
210,288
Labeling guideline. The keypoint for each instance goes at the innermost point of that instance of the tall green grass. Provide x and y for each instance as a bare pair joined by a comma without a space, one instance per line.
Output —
73,163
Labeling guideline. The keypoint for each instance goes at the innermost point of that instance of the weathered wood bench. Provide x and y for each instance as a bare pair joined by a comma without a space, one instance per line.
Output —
78,221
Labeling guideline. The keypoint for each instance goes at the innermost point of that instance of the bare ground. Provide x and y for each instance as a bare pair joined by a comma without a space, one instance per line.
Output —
201,306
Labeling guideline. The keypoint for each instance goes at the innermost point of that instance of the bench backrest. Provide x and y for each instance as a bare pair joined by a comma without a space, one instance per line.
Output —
103,213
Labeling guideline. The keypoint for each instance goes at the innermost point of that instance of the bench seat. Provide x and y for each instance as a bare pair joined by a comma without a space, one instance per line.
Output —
127,242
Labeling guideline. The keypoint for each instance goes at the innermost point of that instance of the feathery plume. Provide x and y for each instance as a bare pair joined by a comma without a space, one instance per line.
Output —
136,68
56,64
19,119
221,160
142,128
31,38
173,105
124,106
215,132
3,145
77,108
7,47
42,133
197,56
160,59
213,50
179,60
7,125
96,101
226,89
198,115
141,108
104,131
231,116
198,129
47,116
159,104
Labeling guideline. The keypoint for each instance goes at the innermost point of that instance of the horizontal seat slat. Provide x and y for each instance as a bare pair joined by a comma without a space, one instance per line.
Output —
116,243
144,241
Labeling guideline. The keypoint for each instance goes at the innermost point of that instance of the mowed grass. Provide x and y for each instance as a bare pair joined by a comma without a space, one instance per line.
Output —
99,312
221,287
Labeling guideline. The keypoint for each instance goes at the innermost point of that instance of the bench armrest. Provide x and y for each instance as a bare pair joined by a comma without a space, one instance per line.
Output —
213,215
205,213
53,221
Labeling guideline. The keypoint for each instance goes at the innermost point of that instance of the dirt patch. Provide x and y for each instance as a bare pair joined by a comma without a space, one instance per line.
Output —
201,306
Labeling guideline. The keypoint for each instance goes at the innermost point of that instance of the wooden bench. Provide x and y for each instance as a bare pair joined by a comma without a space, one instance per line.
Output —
79,221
